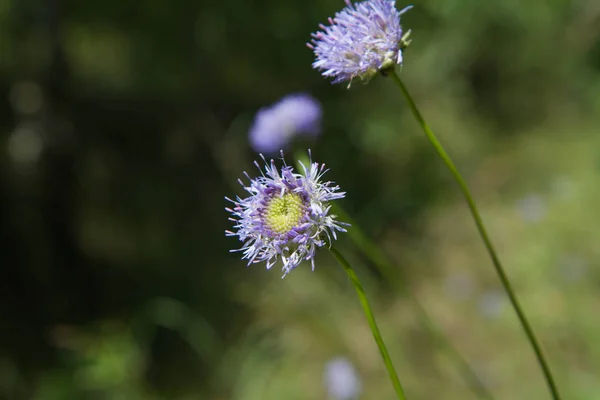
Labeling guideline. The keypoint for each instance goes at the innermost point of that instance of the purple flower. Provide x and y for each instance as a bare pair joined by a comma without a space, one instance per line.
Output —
341,379
286,216
361,40
491,303
275,126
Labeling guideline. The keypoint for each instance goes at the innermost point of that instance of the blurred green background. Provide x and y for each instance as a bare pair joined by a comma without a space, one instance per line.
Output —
124,124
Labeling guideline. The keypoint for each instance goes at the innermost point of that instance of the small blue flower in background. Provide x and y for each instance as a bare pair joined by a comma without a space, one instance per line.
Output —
360,41
286,216
275,126
492,302
532,208
341,380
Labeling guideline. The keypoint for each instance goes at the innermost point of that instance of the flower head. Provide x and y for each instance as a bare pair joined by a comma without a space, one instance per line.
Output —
286,216
341,379
275,126
360,41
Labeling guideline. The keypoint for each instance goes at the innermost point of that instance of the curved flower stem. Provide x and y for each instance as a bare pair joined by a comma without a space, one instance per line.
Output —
372,324
482,232
385,267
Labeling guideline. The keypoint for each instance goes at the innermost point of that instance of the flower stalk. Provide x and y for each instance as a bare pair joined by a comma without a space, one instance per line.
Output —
482,233
385,267
365,245
372,323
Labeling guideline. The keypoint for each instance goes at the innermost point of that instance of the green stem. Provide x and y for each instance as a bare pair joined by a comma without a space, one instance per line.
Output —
372,324
384,265
483,233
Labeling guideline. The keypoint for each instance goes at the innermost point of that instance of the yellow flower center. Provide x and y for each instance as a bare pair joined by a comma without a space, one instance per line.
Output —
284,213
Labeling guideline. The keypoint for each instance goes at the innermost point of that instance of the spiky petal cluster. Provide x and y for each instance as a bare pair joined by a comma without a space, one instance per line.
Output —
286,215
360,41
275,126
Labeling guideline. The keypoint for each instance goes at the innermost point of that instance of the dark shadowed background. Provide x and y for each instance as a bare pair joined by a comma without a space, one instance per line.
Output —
124,124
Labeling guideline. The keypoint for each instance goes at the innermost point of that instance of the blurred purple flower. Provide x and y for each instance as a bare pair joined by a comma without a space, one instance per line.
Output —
360,41
275,126
341,380
491,303
532,208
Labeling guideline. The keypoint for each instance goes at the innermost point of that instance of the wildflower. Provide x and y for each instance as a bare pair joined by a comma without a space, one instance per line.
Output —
532,208
286,216
491,303
275,126
362,40
341,379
